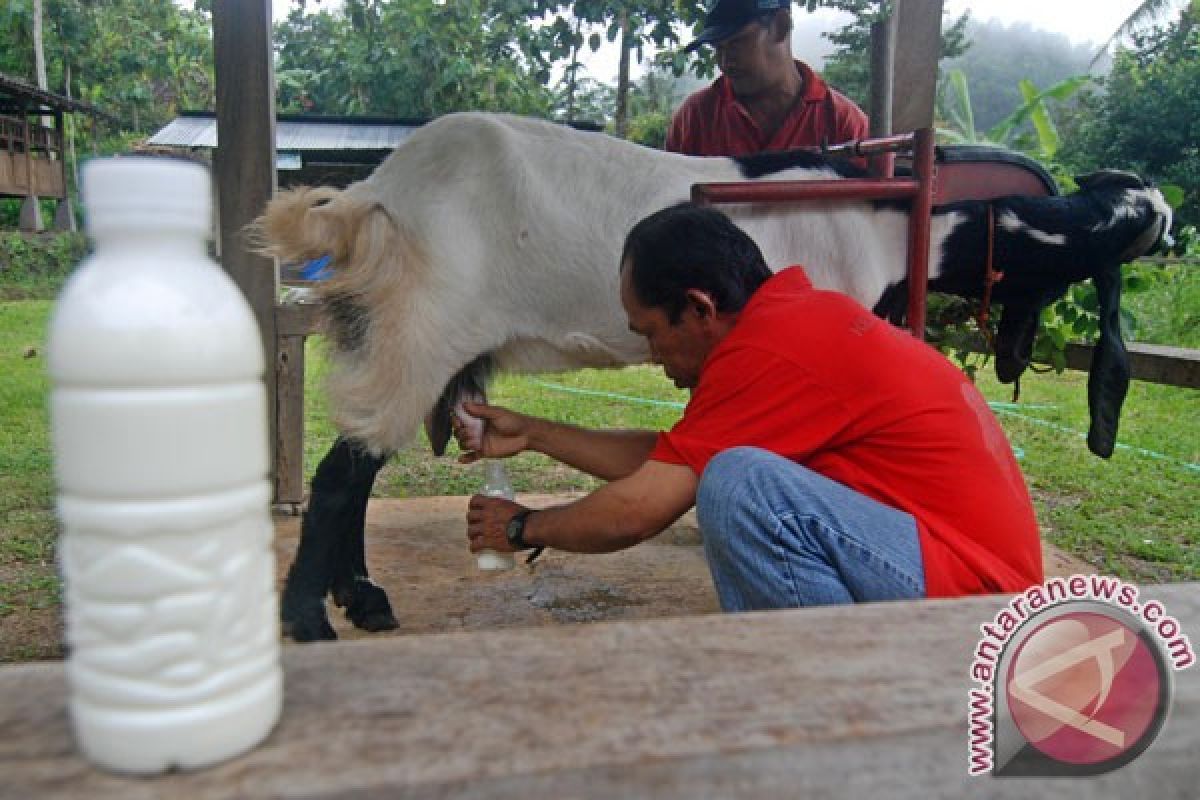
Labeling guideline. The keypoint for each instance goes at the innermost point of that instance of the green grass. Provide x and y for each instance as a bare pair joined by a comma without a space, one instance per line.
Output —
1169,312
28,576
1135,515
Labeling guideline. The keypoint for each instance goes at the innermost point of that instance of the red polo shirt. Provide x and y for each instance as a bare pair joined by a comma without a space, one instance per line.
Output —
711,122
815,377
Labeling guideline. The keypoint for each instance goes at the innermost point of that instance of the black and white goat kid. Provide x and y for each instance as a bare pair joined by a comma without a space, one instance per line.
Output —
490,242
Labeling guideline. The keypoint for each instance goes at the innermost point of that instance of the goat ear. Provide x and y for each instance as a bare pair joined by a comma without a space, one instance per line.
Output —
1110,179
1108,380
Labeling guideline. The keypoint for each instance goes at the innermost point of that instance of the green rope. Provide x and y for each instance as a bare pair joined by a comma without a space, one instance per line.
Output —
1008,409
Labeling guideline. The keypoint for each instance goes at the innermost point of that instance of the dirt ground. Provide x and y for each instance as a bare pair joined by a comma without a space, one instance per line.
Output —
416,550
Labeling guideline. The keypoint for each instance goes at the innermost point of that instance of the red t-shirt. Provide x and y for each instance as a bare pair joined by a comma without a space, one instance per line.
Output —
711,122
815,377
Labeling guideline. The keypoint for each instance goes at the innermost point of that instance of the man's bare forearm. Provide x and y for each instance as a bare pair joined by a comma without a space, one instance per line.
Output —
608,455
619,514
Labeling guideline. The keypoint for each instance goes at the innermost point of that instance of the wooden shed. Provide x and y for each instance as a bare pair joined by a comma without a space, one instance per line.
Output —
32,153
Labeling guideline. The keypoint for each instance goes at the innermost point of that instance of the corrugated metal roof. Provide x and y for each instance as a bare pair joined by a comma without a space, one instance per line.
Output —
295,135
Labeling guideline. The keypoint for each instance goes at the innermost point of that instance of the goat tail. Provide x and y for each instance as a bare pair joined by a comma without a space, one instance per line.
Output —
307,223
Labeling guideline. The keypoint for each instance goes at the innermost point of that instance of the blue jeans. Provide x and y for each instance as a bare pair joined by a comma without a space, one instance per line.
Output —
778,535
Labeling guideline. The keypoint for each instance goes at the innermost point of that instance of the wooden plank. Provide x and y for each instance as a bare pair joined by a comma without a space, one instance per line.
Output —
1151,363
1170,366
297,319
289,463
918,46
851,701
244,161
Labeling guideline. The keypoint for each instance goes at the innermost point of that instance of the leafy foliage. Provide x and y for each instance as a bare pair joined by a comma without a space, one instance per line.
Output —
140,60
414,58
1031,128
850,65
1000,57
1148,118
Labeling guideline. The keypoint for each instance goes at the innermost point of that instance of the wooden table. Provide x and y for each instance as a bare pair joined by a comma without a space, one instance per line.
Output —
863,702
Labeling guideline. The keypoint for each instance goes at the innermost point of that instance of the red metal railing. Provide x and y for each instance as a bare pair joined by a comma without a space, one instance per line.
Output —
920,187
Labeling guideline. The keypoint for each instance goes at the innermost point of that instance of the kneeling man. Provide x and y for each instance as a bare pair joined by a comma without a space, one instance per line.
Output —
831,457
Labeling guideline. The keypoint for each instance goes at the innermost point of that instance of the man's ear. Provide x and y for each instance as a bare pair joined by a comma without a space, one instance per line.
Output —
702,303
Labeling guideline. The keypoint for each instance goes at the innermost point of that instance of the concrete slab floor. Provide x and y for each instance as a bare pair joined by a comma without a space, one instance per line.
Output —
416,550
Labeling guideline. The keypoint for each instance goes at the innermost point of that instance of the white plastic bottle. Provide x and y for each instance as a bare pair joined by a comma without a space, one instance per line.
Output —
496,484
159,422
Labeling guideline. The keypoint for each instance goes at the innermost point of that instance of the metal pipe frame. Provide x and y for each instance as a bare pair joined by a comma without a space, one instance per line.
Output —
920,188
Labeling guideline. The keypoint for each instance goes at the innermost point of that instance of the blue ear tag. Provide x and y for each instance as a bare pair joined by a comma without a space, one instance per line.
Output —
317,269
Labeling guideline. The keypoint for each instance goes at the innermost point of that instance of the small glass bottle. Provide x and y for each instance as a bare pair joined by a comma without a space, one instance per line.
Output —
159,418
496,484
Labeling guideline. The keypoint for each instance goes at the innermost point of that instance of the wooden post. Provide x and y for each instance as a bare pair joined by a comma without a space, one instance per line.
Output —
64,218
289,461
919,28
31,208
883,56
244,162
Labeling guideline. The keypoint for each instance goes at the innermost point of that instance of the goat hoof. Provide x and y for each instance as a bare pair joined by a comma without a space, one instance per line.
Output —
367,606
306,621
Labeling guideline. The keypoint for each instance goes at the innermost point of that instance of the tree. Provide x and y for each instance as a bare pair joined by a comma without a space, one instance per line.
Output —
140,60
1001,56
416,58
634,25
39,50
1148,118
1029,127
1147,13
850,65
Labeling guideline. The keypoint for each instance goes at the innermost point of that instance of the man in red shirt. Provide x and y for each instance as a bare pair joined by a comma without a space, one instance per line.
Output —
831,457
764,100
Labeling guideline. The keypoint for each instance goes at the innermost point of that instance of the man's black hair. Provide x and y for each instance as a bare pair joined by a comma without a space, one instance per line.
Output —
686,247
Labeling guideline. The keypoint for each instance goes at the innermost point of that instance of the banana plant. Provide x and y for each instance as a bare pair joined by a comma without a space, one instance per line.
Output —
955,103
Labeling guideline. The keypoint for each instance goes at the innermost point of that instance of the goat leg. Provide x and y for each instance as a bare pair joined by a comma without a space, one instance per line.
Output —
336,509
366,604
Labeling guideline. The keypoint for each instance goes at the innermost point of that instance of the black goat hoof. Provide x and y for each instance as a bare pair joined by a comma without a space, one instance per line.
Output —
366,605
305,621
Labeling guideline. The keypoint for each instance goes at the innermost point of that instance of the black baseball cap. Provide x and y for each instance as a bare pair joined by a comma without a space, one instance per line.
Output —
727,17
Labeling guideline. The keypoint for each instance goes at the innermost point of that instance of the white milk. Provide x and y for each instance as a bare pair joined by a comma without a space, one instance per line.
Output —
160,453
496,484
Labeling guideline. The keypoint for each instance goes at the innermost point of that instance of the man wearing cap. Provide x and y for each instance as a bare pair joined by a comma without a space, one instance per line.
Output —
764,99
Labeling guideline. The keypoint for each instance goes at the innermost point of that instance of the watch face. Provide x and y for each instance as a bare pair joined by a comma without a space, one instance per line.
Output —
514,531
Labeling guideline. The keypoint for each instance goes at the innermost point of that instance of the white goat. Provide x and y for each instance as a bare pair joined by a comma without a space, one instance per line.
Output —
499,234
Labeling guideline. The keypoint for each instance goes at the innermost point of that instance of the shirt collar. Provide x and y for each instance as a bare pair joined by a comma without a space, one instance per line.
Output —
815,87
792,280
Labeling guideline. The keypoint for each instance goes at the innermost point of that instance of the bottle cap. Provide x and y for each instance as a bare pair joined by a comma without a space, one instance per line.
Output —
146,192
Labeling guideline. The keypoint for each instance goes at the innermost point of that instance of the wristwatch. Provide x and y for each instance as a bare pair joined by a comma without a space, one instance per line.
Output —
515,533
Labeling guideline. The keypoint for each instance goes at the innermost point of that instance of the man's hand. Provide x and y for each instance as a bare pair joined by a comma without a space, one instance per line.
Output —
505,433
487,521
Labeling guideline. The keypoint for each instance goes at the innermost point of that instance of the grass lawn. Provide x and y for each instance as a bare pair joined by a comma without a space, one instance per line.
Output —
1134,516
